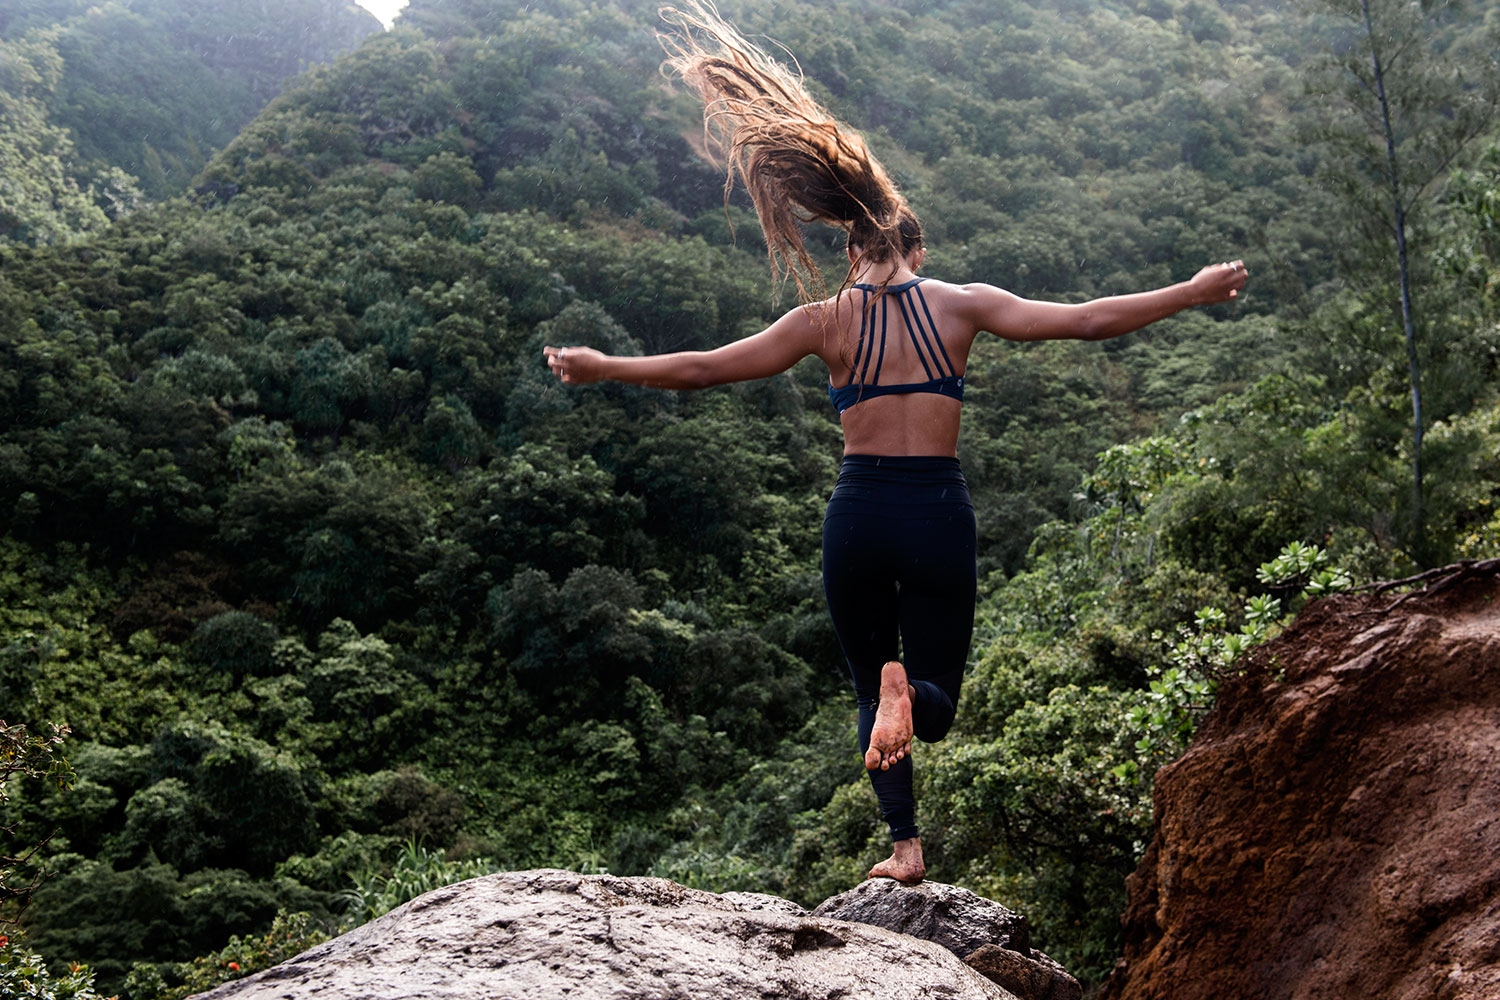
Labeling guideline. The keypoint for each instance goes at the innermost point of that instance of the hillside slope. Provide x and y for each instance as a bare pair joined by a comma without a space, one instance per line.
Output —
1333,831
155,87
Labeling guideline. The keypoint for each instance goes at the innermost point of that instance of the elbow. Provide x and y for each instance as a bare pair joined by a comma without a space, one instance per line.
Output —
1093,326
698,374
1104,324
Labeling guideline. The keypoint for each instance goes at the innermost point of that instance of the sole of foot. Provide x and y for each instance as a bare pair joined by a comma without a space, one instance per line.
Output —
890,739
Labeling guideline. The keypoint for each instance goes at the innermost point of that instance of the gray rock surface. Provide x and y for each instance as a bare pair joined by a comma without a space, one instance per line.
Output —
992,939
955,918
1034,978
762,901
545,935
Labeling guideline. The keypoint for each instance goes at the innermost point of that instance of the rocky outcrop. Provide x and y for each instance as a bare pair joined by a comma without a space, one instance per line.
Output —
546,934
1334,831
955,918
990,938
1035,977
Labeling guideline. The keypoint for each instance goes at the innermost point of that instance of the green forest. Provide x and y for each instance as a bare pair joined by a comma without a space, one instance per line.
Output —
318,591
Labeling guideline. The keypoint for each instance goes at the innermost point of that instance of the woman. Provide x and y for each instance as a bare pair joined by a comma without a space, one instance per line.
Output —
898,536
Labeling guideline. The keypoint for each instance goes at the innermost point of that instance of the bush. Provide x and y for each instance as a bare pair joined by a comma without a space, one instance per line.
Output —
112,919
414,808
415,872
24,975
222,799
26,756
290,934
237,643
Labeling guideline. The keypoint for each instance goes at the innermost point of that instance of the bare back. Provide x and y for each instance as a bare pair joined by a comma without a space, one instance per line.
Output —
879,340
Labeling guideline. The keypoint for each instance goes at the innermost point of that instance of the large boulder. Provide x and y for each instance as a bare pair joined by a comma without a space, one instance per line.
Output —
990,938
1334,831
542,935
955,918
1033,977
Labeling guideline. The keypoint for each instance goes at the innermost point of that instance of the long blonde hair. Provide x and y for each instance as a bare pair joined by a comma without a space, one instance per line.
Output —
798,162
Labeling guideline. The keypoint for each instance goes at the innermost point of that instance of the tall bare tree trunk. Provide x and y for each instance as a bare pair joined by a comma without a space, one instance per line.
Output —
1419,527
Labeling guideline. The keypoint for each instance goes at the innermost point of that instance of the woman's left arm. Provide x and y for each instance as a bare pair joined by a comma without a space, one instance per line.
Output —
1014,318
773,350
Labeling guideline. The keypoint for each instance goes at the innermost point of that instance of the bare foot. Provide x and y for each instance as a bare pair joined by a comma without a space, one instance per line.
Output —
904,864
890,739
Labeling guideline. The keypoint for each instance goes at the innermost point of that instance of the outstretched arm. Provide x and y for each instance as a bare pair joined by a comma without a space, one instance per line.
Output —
775,349
1015,318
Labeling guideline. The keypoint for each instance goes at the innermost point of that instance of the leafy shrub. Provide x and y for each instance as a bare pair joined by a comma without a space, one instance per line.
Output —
414,808
329,868
1306,566
417,870
290,934
168,820
112,919
1176,697
222,799
24,975
237,643
367,708
23,755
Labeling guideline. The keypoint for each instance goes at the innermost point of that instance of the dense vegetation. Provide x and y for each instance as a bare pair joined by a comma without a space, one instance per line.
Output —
326,574
107,104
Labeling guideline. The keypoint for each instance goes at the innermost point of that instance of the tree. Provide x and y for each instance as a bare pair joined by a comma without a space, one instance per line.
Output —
1413,86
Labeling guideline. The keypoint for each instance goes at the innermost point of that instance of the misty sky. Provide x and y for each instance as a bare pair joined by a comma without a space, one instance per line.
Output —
386,10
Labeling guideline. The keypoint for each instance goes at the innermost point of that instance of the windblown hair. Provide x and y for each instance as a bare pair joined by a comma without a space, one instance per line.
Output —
798,163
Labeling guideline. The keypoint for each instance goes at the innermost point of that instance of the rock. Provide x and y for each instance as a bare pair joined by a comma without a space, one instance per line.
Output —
544,935
1334,830
992,939
1034,978
955,918
763,901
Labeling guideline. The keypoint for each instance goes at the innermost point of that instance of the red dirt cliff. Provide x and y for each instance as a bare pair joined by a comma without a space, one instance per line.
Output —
1334,830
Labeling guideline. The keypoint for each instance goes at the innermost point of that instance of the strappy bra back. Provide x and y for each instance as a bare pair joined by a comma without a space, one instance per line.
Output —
869,352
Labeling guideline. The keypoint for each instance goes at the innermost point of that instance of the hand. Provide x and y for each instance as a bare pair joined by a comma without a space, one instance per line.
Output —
575,365
1220,282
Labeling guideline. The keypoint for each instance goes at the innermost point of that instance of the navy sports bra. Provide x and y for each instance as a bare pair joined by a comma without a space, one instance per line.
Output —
908,295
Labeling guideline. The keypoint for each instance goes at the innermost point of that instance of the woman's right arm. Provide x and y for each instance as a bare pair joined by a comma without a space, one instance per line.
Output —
1014,318
775,349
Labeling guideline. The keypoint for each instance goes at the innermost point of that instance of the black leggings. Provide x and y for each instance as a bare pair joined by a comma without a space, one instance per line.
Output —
899,572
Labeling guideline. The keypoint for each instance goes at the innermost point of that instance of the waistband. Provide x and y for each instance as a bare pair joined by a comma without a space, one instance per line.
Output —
902,479
898,465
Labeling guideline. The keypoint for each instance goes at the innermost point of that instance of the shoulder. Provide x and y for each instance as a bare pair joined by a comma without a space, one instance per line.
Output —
808,319
799,331
977,294
975,304
964,295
